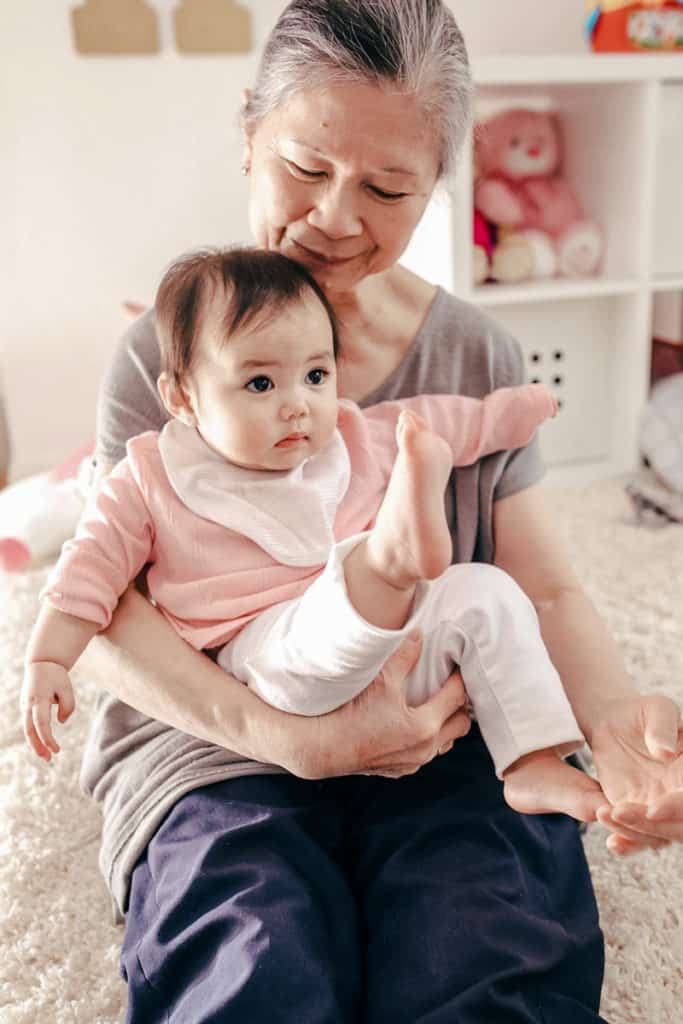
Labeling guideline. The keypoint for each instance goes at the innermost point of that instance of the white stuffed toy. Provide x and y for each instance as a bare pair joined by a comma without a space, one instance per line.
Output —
41,512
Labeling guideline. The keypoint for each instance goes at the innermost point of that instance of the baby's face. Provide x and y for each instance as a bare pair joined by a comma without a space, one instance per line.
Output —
267,397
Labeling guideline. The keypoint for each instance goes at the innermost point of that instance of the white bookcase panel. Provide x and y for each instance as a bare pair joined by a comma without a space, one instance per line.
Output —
568,346
622,118
668,227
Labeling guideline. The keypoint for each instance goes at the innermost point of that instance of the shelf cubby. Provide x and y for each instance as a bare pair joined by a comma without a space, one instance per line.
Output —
621,118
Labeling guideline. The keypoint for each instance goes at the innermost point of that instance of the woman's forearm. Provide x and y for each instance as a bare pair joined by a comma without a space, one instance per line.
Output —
150,667
529,548
584,654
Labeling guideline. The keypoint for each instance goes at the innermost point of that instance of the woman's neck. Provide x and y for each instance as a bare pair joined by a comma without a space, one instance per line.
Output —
379,322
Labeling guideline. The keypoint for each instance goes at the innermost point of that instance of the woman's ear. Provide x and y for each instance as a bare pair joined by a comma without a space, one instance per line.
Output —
246,131
177,400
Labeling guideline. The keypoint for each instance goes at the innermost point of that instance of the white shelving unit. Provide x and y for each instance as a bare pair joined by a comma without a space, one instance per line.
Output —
589,340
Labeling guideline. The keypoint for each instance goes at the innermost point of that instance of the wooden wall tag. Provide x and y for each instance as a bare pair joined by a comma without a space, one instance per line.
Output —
115,27
212,26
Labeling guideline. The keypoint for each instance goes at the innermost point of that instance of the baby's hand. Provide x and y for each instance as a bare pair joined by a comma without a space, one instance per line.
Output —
45,683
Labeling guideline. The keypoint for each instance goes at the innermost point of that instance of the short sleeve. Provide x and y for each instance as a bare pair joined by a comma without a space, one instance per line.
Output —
128,401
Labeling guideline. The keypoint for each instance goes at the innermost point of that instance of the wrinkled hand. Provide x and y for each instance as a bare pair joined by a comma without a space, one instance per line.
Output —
638,753
45,683
378,733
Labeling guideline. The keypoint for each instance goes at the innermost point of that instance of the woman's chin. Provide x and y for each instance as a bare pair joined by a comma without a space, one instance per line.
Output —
339,278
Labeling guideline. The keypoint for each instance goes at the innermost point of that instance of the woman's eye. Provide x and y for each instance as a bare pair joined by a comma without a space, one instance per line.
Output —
296,169
388,196
260,384
316,376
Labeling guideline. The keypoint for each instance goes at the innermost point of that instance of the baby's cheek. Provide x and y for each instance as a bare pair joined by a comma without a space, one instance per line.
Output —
251,437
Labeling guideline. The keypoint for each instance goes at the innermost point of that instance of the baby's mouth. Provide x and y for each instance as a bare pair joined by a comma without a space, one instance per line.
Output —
291,439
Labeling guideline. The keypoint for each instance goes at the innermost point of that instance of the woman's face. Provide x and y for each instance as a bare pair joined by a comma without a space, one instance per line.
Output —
340,178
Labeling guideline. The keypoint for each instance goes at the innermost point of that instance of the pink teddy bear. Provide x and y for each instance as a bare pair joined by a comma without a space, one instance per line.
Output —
520,187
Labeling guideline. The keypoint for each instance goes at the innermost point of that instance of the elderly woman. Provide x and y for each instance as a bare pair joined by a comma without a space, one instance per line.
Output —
332,869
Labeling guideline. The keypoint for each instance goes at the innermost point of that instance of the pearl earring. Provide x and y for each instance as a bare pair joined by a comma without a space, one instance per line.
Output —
245,169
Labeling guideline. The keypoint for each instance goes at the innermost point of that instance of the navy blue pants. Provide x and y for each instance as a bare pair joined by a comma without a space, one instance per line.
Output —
363,900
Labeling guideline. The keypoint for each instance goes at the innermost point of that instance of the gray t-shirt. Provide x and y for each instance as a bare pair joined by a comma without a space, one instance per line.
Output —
137,767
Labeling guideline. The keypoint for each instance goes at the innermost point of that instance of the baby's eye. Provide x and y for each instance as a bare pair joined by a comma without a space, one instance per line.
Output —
260,384
317,376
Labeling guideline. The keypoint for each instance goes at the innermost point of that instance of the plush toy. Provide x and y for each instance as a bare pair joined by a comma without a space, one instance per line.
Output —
483,249
39,513
498,254
520,190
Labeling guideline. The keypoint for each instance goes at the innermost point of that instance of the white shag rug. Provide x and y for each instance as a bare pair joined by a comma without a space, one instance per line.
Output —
58,947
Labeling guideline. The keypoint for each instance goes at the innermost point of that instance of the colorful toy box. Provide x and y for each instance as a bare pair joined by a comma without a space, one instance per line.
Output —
615,26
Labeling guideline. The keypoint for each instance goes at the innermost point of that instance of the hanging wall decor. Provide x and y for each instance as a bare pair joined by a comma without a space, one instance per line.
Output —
115,27
212,26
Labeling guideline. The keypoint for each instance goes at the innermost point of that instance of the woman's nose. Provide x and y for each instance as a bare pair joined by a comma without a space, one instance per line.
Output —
335,213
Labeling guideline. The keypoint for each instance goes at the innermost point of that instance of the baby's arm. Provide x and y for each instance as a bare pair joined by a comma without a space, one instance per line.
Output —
56,643
506,418
474,427
112,544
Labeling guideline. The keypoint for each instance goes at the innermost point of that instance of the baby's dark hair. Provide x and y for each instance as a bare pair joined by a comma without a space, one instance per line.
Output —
251,280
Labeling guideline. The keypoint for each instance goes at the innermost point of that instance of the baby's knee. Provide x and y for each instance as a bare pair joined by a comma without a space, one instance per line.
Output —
489,589
482,579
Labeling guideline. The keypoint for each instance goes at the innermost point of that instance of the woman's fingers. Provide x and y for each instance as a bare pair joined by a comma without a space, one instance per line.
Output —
667,810
662,820
662,721
391,738
403,661
622,847
637,840
450,698
453,729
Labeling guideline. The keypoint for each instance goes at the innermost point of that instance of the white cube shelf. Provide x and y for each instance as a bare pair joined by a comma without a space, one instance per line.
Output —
622,118
668,230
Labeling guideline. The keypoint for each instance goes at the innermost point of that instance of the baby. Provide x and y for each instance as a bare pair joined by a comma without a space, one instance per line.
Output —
302,535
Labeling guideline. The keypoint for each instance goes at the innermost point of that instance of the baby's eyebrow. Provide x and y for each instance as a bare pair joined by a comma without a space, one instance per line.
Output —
251,364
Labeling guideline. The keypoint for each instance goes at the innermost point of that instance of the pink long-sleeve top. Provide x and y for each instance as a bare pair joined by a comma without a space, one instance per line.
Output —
209,580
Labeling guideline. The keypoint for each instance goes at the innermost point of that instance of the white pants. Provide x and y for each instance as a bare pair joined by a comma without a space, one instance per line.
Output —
315,653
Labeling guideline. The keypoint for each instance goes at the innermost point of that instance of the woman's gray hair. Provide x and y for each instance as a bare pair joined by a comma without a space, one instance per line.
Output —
415,45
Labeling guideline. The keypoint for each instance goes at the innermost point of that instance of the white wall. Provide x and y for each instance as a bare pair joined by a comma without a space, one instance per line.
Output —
109,167
521,26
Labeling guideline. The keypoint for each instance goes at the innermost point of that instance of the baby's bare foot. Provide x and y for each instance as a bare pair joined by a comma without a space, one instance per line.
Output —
542,783
411,540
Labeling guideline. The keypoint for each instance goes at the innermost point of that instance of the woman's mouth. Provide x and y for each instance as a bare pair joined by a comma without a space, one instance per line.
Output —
318,258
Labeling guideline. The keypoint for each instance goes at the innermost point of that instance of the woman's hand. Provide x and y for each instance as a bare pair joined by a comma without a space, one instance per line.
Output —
377,733
638,752
153,670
